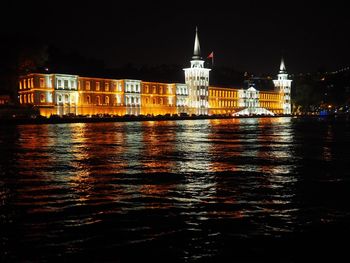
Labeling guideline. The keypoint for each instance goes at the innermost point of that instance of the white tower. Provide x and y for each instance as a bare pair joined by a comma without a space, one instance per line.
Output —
283,85
197,81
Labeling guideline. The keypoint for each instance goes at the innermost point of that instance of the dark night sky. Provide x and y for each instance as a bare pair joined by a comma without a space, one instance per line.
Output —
246,35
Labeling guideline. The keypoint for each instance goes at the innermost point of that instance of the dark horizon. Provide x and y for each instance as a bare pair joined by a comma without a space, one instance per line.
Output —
250,37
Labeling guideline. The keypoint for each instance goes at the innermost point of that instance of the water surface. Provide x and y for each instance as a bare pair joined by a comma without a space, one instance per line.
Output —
241,190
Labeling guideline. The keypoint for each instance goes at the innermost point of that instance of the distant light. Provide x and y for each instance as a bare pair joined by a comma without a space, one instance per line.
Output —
46,69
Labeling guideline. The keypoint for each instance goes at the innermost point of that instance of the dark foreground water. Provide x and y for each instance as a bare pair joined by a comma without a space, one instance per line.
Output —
242,190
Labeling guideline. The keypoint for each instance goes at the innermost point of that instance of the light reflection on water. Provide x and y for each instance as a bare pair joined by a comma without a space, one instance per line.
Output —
188,190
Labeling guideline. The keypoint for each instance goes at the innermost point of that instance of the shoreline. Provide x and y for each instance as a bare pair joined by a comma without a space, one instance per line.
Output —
59,120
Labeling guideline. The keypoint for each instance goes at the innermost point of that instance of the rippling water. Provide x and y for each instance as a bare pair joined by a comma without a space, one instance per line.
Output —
264,189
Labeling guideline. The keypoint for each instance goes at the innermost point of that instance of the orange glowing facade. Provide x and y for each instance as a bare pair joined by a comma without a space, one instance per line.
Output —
62,94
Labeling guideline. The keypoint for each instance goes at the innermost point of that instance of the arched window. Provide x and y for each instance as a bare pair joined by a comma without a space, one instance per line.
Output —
42,98
88,99
59,98
20,99
32,98
25,98
66,98
98,100
106,100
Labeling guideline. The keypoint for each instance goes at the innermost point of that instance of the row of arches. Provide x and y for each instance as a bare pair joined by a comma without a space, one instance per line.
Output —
30,99
98,100
66,98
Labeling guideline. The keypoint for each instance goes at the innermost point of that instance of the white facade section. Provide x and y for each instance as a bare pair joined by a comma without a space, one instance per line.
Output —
182,101
197,81
248,98
132,97
283,85
65,82
66,93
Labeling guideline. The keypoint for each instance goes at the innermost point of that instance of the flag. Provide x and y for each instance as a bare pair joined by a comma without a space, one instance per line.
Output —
211,55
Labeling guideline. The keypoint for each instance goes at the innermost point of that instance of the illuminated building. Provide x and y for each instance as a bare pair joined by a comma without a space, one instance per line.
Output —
197,81
4,99
283,84
62,94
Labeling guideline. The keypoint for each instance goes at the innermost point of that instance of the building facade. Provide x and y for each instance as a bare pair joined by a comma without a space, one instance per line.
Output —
62,94
197,81
283,86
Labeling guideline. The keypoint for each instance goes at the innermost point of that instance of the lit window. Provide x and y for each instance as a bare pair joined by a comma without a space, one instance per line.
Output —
87,85
59,83
66,84
97,86
42,82
98,100
106,100
42,98
20,85
106,86
88,99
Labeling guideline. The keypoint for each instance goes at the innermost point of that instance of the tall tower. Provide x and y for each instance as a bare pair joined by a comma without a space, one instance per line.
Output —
197,81
283,85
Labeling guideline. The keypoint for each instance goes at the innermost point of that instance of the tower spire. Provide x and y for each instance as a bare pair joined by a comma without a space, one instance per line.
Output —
282,66
197,48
